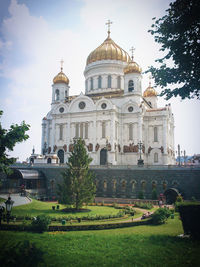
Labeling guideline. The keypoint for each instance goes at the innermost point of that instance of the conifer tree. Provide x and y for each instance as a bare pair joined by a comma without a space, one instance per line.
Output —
78,185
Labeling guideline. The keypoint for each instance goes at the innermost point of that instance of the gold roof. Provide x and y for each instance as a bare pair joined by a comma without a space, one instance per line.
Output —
61,78
132,67
108,50
150,91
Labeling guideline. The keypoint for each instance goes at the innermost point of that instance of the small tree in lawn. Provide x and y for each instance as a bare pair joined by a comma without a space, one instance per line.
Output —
78,181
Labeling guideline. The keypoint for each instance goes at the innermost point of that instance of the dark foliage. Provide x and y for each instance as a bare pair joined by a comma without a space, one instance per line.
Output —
40,223
24,254
8,139
178,32
160,216
190,217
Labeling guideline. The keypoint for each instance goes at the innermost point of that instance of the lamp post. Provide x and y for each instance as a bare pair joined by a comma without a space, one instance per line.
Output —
179,155
9,204
140,160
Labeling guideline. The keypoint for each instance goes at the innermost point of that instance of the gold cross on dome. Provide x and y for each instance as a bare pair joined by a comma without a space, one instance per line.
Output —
109,23
132,51
61,63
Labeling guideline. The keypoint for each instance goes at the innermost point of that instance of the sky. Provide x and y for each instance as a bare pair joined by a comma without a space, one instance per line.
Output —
36,34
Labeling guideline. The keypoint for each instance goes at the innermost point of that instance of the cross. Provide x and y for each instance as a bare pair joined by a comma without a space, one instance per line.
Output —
132,50
109,23
150,77
61,63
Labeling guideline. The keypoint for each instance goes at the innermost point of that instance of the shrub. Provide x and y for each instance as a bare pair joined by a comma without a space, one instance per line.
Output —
141,195
160,216
41,223
21,254
143,205
154,195
190,216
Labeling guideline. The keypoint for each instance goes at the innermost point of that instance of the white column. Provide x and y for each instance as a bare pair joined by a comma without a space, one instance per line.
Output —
68,133
140,128
165,135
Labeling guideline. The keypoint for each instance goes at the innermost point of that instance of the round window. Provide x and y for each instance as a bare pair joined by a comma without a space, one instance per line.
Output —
103,106
130,109
61,110
82,105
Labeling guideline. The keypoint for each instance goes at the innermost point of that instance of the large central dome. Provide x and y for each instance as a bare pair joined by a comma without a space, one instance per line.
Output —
108,50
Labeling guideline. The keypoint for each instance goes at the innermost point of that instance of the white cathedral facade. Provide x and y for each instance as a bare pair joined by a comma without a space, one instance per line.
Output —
112,117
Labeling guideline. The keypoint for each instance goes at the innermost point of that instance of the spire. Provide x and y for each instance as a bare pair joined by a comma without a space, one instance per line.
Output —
109,23
132,51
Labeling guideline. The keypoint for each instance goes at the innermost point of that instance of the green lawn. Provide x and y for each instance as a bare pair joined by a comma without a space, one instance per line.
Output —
38,207
133,246
2,200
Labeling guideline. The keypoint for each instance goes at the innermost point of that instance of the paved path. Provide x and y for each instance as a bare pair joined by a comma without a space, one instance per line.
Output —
18,200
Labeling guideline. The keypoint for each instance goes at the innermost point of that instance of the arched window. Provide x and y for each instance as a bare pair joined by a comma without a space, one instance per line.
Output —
61,155
86,130
119,82
49,160
65,93
86,85
164,185
155,130
130,131
57,94
104,185
114,185
155,157
99,81
81,130
77,130
60,132
109,81
130,86
103,129
91,84
133,185
143,185
153,185
123,185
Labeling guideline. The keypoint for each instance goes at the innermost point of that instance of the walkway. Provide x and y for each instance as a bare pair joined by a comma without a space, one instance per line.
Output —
18,200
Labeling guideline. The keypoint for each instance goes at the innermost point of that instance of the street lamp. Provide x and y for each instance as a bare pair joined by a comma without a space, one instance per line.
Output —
9,204
140,160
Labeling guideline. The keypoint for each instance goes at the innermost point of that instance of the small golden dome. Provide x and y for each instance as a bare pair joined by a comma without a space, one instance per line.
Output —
150,91
132,67
108,50
61,78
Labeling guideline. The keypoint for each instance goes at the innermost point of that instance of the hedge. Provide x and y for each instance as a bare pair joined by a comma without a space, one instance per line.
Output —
190,217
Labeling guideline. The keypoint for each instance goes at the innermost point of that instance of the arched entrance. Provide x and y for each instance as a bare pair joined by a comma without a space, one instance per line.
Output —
61,155
103,156
49,160
171,195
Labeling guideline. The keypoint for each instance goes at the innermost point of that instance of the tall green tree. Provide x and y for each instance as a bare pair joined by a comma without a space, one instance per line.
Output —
78,185
178,32
8,139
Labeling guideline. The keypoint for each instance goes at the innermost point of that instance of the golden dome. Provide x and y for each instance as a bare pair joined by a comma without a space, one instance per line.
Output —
108,50
150,91
132,67
61,78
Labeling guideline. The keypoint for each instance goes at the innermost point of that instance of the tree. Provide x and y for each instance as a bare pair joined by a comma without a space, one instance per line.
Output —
178,32
8,139
78,181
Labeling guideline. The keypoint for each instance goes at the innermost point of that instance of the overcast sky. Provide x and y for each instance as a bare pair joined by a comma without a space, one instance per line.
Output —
36,34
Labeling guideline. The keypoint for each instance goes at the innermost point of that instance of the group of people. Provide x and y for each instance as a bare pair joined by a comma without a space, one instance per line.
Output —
146,215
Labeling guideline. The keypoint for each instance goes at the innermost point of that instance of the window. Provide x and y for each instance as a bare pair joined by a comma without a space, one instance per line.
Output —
153,185
81,130
86,130
77,131
119,82
109,81
155,157
130,131
57,94
103,129
91,84
65,93
133,186
114,185
130,86
143,184
61,132
99,81
104,185
86,85
155,130
123,185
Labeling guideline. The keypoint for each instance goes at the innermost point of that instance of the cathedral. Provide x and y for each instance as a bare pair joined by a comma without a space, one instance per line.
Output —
119,123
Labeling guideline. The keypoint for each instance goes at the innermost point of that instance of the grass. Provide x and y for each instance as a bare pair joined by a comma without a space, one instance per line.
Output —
133,246
2,199
37,207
